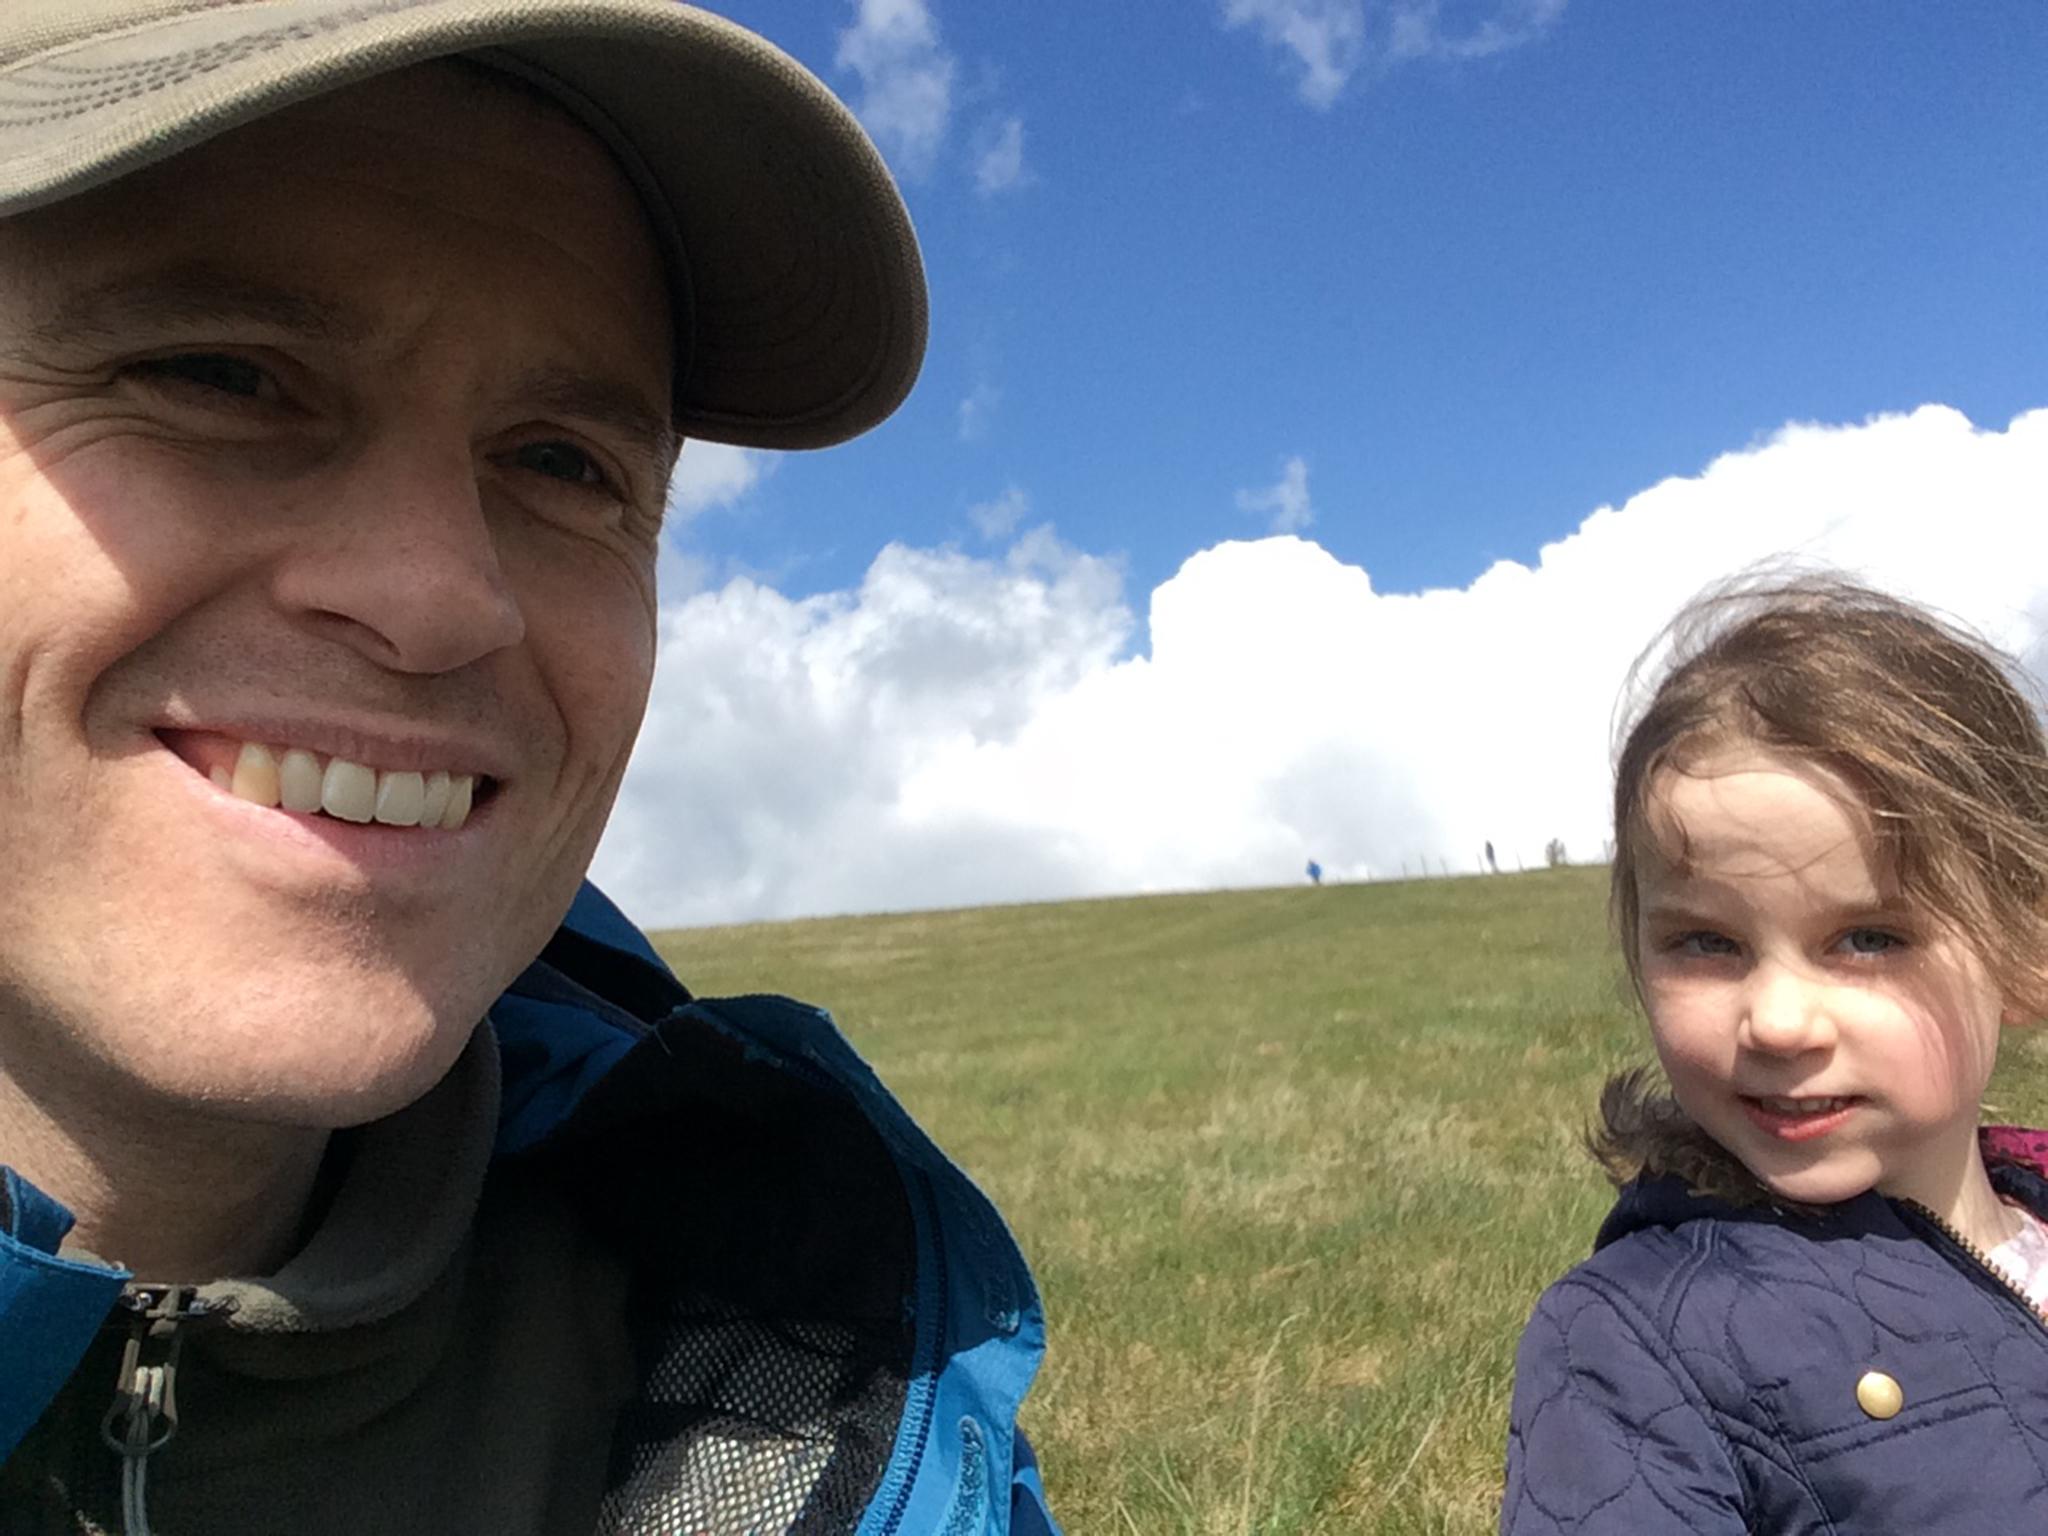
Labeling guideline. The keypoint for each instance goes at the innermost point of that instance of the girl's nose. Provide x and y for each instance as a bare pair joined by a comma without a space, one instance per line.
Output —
1785,1013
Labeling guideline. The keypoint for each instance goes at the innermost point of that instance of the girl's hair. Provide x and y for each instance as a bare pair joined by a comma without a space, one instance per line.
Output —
1935,731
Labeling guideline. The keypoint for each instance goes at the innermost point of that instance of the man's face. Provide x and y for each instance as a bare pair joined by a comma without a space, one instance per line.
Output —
343,436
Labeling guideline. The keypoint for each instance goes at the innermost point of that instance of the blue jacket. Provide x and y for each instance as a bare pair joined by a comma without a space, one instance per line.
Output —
1700,1374
608,1064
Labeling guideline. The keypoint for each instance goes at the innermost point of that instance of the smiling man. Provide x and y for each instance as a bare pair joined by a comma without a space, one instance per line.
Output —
364,1170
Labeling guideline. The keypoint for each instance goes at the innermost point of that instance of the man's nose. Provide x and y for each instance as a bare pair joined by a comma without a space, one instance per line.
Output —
1785,1012
401,562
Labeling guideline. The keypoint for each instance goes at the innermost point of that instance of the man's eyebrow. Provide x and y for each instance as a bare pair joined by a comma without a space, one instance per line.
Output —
619,406
192,295
206,295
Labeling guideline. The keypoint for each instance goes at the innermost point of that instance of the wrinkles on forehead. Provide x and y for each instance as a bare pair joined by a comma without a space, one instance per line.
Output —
358,215
197,296
125,309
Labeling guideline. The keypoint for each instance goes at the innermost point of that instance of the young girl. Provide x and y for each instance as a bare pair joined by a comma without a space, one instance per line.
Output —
1817,1304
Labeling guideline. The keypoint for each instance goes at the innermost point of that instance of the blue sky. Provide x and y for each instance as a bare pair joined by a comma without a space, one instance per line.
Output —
1477,296
1326,401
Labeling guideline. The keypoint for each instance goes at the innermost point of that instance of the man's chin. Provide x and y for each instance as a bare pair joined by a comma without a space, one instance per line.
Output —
348,1100
311,1072
357,1099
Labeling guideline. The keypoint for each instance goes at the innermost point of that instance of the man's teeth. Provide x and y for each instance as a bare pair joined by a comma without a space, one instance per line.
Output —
1802,1106
255,776
434,799
349,791
296,781
400,799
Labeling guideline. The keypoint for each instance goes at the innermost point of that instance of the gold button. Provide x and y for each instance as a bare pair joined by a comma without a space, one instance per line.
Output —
1879,1395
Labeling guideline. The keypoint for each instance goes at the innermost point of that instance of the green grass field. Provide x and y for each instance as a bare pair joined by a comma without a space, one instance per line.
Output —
1291,1166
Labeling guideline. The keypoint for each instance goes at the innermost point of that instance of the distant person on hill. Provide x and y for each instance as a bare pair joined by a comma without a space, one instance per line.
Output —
1315,872
365,1171
1817,1305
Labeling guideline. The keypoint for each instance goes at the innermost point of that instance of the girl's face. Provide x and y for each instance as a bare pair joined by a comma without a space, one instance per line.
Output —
1831,1037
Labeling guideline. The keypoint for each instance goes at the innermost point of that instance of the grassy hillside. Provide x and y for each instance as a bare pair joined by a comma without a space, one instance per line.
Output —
1291,1167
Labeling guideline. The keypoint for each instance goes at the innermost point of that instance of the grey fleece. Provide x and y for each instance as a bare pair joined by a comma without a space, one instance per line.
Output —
446,1353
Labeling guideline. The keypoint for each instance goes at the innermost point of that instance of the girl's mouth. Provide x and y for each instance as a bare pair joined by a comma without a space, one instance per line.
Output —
1798,1119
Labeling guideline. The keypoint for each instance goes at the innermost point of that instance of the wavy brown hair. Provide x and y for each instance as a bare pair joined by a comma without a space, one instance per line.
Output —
1937,732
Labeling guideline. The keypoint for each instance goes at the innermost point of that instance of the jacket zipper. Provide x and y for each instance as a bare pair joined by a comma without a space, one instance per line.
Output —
144,1413
922,1398
1978,1256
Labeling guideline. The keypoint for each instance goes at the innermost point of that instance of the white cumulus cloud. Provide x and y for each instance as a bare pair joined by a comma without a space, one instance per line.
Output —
906,77
1330,41
964,730
1419,29
707,475
1326,38
713,475
975,409
782,733
1286,499
999,518
1000,164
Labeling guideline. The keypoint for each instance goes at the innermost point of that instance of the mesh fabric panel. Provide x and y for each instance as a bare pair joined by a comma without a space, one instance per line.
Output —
748,1426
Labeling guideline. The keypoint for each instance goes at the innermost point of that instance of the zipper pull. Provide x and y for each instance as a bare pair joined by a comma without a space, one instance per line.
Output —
144,1414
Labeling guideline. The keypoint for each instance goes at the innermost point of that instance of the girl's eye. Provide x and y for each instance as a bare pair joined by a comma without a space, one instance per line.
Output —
1871,941
560,461
217,371
1702,942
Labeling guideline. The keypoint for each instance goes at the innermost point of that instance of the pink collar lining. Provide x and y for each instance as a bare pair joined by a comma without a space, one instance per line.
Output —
2017,1144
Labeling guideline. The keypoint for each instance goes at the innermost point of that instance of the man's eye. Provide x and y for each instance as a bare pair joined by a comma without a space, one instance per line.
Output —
211,370
560,461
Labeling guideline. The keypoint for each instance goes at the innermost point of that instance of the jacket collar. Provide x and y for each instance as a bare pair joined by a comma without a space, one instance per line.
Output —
2015,1156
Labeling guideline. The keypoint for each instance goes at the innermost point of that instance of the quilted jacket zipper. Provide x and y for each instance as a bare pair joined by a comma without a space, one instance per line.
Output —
144,1413
1978,1257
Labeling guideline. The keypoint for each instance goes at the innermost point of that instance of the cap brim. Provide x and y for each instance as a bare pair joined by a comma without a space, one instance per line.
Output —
804,290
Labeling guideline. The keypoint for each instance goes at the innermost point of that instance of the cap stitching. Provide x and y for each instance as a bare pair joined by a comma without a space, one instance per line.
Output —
78,89
51,57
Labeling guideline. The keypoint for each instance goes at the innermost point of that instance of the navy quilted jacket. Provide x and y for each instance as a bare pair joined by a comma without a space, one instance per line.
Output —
1699,1374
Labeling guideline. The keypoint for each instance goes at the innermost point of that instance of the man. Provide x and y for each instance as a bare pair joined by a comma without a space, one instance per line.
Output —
345,349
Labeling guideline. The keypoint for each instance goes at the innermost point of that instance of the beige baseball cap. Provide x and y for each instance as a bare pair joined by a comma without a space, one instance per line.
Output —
799,292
